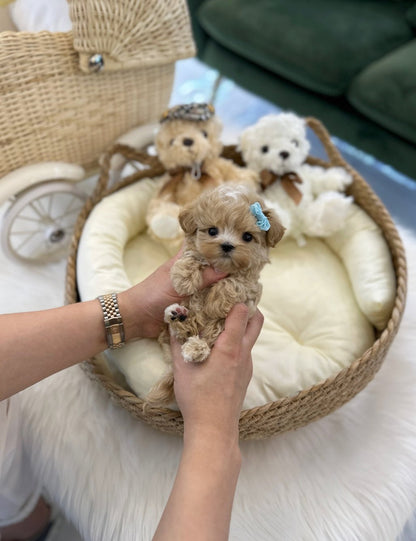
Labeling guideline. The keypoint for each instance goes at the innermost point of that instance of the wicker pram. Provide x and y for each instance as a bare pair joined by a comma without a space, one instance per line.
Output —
68,96
308,405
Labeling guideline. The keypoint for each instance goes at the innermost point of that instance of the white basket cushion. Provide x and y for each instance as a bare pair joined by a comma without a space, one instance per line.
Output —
371,273
313,326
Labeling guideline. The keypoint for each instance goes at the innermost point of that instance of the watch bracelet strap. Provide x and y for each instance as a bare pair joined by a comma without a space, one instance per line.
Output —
113,322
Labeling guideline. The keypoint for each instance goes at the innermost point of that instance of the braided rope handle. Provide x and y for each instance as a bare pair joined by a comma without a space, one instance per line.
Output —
104,187
335,158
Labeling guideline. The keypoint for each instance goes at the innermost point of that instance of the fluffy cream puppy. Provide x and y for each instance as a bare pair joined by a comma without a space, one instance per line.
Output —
230,229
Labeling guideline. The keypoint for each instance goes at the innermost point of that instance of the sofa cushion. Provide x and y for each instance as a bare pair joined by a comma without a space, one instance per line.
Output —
320,45
385,91
411,15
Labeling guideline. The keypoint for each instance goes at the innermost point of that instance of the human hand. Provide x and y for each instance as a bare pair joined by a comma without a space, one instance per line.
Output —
210,395
143,305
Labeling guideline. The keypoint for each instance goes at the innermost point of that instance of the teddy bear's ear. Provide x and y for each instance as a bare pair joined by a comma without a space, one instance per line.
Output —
187,219
276,231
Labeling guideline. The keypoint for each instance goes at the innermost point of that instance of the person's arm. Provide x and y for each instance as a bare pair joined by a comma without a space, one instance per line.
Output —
210,396
34,345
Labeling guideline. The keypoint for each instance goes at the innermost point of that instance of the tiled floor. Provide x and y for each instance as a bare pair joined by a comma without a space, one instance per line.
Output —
238,109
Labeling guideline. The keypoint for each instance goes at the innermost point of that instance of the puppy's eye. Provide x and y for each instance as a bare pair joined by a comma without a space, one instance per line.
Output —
295,142
204,133
265,149
247,237
171,141
213,231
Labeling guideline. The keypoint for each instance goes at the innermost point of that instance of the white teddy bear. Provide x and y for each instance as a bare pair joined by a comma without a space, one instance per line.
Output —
308,198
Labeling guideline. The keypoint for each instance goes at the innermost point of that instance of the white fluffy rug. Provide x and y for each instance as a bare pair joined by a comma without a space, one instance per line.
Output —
350,476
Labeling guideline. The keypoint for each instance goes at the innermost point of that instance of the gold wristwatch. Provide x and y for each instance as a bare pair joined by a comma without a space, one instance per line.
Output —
113,322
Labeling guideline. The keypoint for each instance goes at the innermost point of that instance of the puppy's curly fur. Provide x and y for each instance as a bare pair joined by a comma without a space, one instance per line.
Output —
221,231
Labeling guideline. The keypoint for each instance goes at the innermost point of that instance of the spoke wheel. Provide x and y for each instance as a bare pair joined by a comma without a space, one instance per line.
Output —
38,225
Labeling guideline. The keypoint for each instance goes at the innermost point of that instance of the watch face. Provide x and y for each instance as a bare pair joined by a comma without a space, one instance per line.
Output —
189,111
116,336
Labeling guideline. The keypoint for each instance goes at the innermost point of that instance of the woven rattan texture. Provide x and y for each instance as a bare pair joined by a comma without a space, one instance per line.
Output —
131,32
51,111
308,405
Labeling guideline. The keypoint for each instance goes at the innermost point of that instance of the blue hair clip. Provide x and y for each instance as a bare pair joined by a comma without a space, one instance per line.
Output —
262,222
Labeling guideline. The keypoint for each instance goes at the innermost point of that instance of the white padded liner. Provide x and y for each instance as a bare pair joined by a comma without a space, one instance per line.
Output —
313,325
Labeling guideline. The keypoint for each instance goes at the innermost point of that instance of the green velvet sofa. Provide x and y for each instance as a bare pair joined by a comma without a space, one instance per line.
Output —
351,63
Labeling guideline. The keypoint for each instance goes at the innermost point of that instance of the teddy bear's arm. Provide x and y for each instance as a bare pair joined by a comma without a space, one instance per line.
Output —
186,274
324,180
162,219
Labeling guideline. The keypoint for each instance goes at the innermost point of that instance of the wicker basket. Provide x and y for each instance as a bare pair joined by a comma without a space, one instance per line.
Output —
308,405
57,106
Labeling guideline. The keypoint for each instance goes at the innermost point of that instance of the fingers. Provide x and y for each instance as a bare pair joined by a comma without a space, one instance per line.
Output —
238,330
234,329
178,362
177,256
210,276
175,349
254,327
170,262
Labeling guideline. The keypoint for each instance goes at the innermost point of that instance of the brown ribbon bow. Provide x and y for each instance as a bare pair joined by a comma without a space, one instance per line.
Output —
288,182
176,177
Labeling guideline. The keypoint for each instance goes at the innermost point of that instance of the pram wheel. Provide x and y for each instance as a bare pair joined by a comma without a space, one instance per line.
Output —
39,224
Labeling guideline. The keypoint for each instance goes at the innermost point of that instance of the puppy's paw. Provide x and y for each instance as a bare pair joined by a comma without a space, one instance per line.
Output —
175,312
186,276
195,350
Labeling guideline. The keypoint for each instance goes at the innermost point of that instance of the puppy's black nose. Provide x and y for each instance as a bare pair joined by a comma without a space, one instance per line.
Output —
227,247
188,142
284,154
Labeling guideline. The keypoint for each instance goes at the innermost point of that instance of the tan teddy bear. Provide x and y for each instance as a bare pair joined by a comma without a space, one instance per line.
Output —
188,145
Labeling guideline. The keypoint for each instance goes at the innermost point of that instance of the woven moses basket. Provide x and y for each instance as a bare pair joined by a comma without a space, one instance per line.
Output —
308,405
68,96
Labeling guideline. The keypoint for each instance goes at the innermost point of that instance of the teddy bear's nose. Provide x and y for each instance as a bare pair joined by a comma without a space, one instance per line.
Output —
227,247
188,142
284,154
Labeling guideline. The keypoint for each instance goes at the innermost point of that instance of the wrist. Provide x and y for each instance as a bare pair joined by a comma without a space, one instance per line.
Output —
113,321
215,453
215,438
128,311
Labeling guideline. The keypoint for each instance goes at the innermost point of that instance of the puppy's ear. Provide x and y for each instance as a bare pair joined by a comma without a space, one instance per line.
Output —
276,231
187,219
